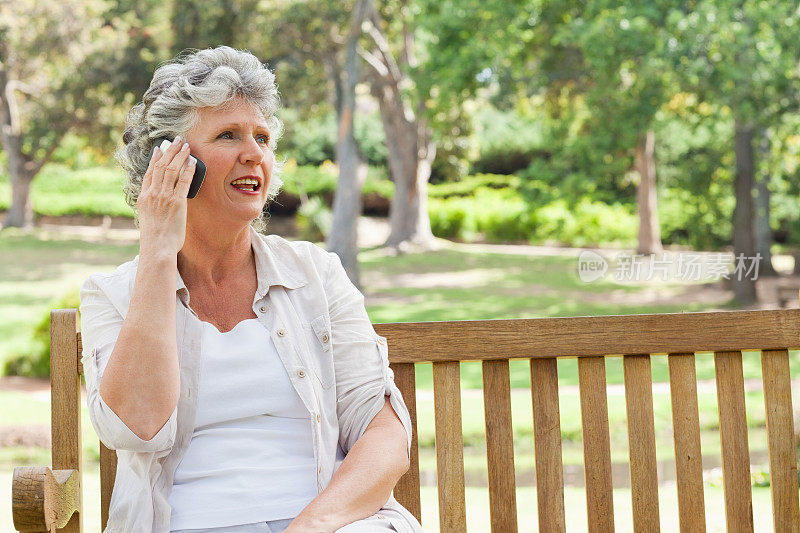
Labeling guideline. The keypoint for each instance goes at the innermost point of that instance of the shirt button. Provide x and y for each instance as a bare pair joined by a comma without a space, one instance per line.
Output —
301,373
281,333
325,337
263,308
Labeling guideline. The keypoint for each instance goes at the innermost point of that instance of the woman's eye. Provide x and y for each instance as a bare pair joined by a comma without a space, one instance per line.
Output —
264,139
226,133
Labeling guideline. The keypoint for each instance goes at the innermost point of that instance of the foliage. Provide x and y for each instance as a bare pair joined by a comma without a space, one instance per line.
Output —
321,180
468,184
313,141
61,191
742,54
506,141
500,215
36,363
314,220
57,58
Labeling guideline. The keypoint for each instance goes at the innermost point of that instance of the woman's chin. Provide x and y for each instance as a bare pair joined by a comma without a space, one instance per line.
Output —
232,222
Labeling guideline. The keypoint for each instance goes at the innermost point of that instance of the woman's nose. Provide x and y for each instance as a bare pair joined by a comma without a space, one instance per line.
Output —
251,152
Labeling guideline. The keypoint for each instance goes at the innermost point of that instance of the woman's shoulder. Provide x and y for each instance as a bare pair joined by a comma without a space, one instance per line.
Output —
113,287
122,275
294,252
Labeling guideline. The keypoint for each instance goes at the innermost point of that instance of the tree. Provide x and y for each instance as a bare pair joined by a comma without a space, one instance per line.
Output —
48,87
321,44
613,57
741,54
343,237
408,137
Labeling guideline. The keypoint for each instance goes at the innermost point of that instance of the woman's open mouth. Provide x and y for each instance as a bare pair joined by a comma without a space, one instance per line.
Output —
246,185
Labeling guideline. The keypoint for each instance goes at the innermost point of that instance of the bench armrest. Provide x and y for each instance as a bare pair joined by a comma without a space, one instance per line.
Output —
43,499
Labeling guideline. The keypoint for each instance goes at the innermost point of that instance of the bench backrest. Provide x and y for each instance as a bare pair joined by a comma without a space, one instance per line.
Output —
636,338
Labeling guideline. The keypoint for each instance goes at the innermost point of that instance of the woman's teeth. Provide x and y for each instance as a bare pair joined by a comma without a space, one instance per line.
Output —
246,184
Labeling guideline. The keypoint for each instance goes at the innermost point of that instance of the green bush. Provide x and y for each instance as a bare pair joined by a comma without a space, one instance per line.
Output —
36,362
59,190
451,218
321,180
309,179
314,220
703,222
468,185
501,215
586,223
76,153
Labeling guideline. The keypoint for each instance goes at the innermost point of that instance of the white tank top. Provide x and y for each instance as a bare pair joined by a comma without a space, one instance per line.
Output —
251,455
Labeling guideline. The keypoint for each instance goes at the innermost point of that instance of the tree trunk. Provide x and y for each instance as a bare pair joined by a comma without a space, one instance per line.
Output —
411,155
744,286
343,237
762,229
20,211
649,229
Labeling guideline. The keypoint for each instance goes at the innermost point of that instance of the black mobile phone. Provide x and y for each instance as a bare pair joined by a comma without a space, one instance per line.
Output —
199,170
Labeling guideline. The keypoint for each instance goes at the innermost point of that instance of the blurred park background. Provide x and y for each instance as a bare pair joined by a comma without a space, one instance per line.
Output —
478,147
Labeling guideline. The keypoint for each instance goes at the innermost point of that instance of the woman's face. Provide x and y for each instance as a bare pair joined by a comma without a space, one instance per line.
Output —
233,143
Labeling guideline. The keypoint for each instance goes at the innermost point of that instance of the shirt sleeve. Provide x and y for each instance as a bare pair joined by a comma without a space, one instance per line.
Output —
361,361
100,327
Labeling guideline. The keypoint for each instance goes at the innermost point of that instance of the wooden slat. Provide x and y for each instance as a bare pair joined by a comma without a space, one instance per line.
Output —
407,489
449,447
780,431
65,401
641,442
108,472
733,437
547,444
593,336
686,433
499,446
596,444
80,353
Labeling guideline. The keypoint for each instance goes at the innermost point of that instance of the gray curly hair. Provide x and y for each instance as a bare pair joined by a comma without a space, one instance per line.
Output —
214,77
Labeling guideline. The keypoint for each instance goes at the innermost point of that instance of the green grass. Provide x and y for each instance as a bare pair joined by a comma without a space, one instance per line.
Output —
498,286
41,268
22,409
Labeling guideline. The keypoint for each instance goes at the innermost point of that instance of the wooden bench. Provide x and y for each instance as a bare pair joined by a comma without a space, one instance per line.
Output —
44,499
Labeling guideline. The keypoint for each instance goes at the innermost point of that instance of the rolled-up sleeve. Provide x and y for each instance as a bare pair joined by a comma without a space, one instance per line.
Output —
361,361
101,323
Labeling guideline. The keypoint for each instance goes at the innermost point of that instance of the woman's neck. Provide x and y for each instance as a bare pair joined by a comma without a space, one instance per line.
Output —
210,257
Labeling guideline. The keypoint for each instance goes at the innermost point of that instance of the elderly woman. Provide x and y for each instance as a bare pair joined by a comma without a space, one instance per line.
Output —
237,375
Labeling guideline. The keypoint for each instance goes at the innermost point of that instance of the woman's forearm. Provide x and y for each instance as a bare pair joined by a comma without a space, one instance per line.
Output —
364,480
141,381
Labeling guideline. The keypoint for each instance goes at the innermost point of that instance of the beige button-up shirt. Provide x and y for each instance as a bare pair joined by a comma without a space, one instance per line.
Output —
337,364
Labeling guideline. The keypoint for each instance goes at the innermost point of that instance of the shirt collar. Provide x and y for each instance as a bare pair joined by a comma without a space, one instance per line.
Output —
272,268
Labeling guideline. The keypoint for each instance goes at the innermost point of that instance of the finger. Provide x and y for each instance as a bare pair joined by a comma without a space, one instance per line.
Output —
172,171
185,180
160,165
147,179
